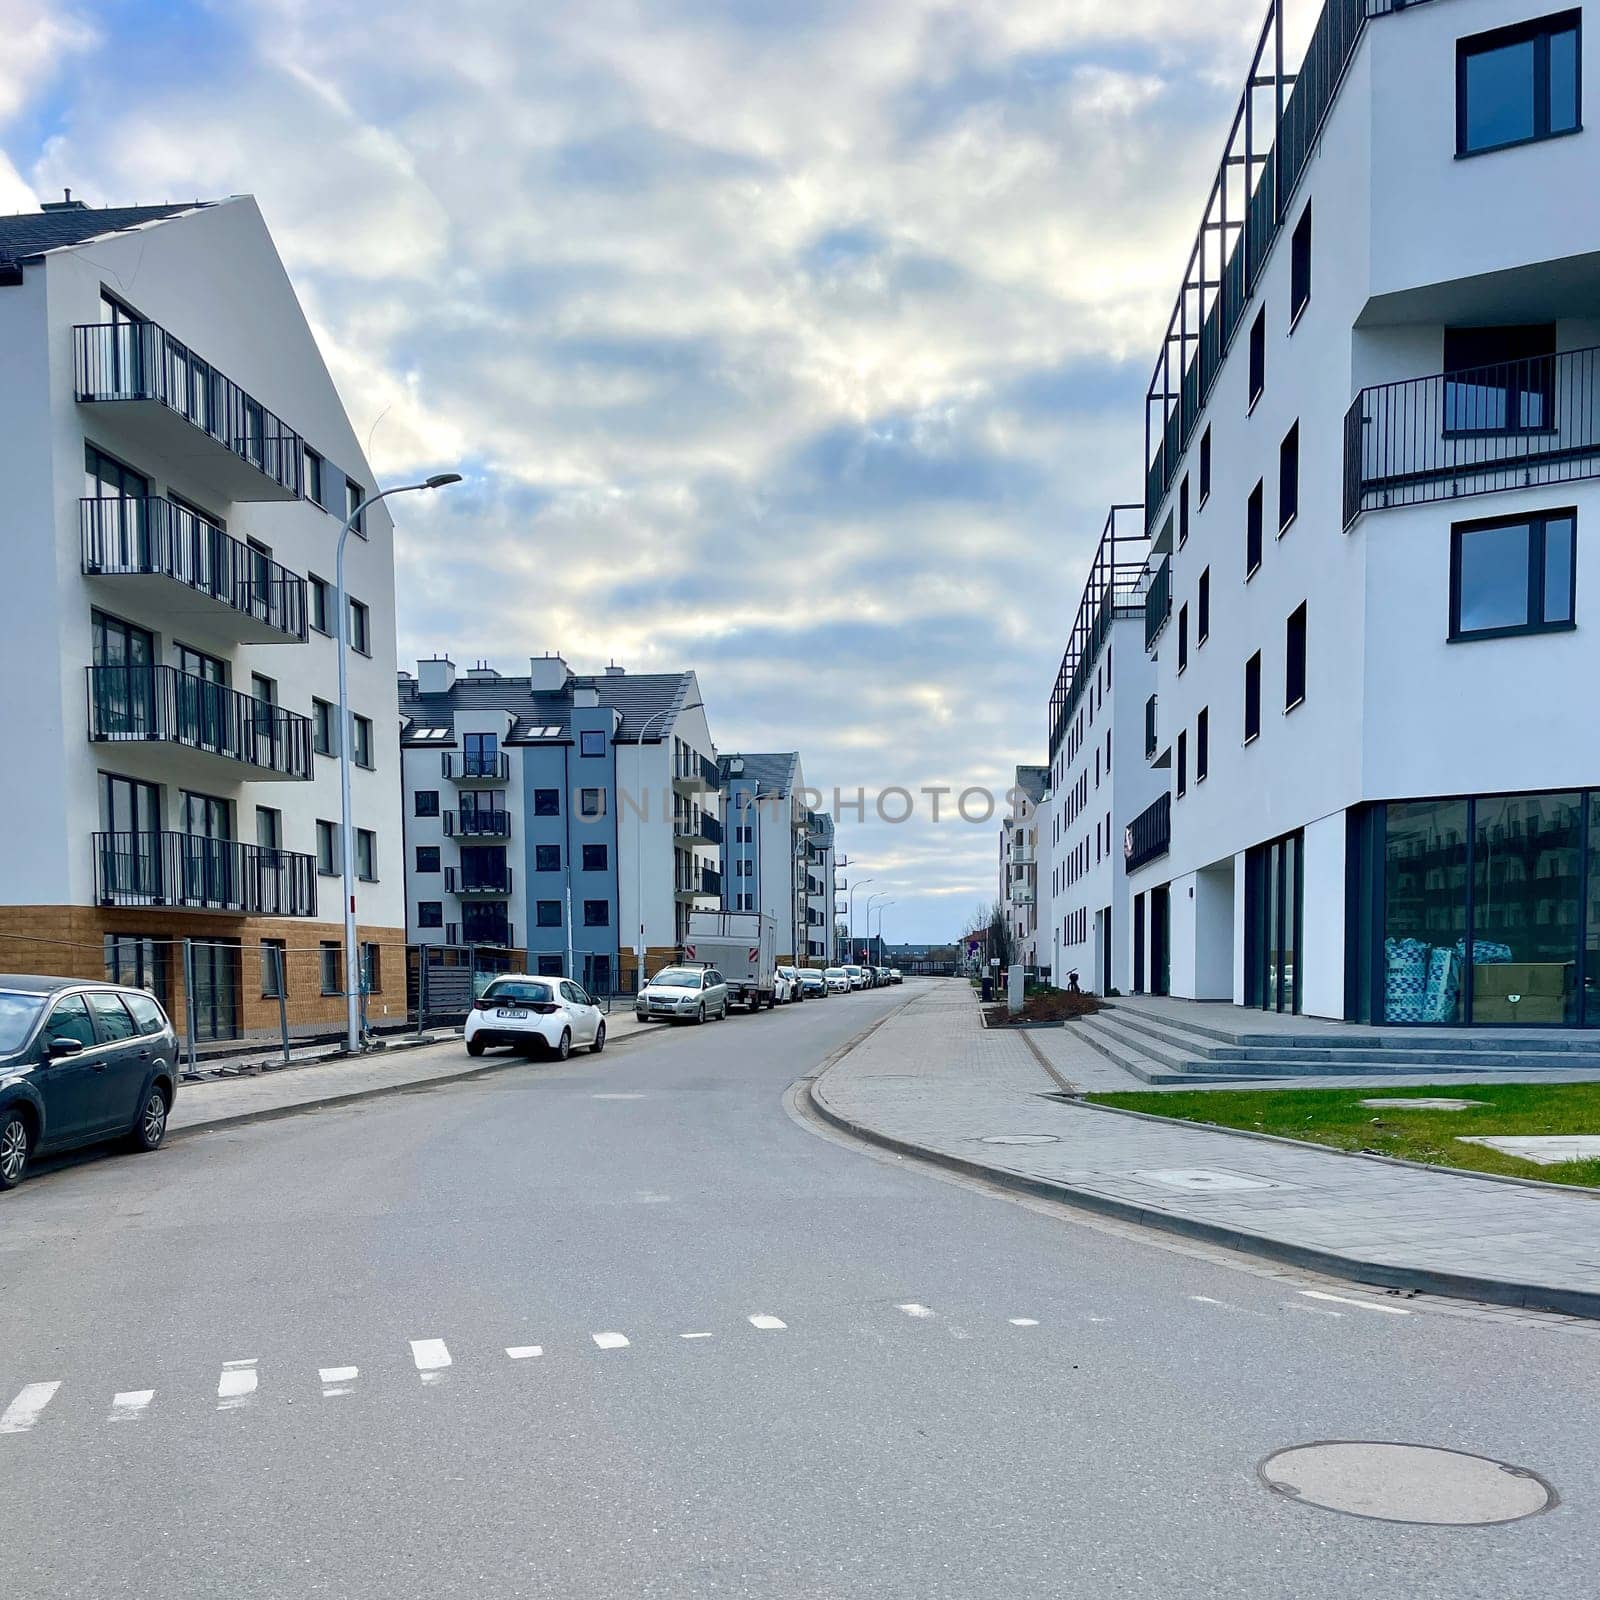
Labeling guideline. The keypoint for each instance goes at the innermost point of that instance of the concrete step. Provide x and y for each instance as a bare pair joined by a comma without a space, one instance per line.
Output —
1126,1051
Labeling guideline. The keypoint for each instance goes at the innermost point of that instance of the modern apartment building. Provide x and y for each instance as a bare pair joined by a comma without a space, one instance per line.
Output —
822,883
765,846
1373,449
1019,860
178,468
570,818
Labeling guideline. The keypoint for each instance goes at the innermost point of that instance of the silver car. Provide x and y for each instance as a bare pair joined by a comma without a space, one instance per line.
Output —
683,994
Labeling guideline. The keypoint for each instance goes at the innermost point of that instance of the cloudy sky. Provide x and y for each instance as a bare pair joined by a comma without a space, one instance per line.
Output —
802,344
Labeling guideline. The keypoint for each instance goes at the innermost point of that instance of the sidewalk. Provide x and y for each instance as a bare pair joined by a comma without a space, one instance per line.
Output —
932,1081
329,1081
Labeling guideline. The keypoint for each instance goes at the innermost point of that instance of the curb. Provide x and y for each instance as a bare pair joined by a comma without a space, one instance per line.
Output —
1421,1280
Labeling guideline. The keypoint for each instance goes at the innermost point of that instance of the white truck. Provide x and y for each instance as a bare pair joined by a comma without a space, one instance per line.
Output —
743,947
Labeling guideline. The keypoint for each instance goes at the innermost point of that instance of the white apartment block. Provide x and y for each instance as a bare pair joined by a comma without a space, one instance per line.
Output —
1020,856
178,468
765,847
1373,446
822,884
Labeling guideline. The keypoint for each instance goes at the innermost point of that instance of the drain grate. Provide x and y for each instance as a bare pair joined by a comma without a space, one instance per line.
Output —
1020,1138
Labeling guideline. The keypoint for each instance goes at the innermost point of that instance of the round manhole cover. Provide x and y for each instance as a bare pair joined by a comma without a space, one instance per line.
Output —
1020,1138
1406,1483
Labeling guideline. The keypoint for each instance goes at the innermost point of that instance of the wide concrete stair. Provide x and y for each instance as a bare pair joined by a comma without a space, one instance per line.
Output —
1160,1047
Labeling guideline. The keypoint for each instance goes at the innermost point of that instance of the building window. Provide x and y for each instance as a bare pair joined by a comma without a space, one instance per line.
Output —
548,913
746,902
323,724
1513,575
1183,636
549,967
1289,478
327,848
1300,265
330,963
1183,512
547,858
1499,380
591,802
591,743
366,855
427,858
1202,609
371,973
1252,697
430,913
1183,763
273,970
360,628
742,834
1258,356
1205,465
1252,531
361,740
547,802
596,857
1202,745
1517,84
426,802
353,497
597,913
1294,658
137,961
319,602
744,869
313,483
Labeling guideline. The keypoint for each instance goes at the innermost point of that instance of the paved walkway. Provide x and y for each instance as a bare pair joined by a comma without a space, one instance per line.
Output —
934,1081
323,1082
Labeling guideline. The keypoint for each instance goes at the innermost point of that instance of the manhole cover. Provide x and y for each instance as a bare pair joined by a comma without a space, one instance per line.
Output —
1020,1138
1406,1483
1200,1179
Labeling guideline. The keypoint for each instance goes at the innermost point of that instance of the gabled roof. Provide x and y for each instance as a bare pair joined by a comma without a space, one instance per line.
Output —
28,234
1033,781
774,773
647,698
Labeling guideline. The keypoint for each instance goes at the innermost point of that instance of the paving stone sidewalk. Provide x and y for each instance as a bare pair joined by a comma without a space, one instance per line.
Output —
932,1079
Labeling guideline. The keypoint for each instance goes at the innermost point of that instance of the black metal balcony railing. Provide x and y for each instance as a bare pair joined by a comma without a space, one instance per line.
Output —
1149,834
478,824
689,766
706,881
142,361
1158,602
710,881
1151,742
151,537
1515,425
490,930
129,704
710,828
703,827
180,869
460,881
476,766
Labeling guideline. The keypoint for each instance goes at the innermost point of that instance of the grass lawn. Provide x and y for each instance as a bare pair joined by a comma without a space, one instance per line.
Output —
1336,1117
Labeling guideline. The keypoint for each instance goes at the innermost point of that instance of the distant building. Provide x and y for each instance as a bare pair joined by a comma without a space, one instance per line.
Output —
1019,862
765,846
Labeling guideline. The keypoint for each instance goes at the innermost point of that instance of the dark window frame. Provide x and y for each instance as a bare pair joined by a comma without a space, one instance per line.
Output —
1202,609
597,913
1183,638
1205,467
1295,658
1258,359
591,743
430,913
541,858
428,858
1202,745
425,803
547,913
1181,763
1538,30
1252,698
547,802
596,858
1538,526
1300,267
1288,478
1254,516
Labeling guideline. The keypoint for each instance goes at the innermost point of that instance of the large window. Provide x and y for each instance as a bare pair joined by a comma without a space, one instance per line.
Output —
592,742
548,913
597,913
1513,575
1500,379
547,802
1518,84
1591,985
427,858
480,755
595,857
547,858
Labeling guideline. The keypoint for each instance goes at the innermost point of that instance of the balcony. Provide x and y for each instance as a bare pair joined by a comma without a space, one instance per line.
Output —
166,399
1157,603
693,773
1149,835
193,873
483,928
695,885
1518,425
468,767
478,823
173,555
697,829
137,705
458,882
1152,741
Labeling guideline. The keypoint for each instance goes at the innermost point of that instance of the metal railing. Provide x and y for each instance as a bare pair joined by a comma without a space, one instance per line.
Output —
459,881
145,536
477,824
690,766
1158,602
1149,834
703,827
476,766
181,869
497,933
161,704
1151,742
142,361
1514,425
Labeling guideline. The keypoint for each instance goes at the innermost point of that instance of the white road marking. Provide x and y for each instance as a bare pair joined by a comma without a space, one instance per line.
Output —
694,1335
616,1097
912,1309
1206,1300
611,1341
1024,1322
522,1352
432,1356
337,1380
1311,1311
762,1320
25,1410
130,1405
1366,1305
237,1384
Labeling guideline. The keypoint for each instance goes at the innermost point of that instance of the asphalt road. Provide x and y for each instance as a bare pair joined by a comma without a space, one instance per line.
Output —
1103,1444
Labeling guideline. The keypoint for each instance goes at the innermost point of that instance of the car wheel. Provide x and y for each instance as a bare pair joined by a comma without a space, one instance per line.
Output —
564,1047
151,1128
700,1016
15,1143
474,1047
722,1015
599,1040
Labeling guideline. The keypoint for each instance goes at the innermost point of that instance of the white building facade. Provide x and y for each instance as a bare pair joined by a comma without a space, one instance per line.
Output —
1020,857
1373,441
178,469
765,846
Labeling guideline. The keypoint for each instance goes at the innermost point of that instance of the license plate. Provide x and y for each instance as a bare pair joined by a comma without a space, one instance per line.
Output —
510,1015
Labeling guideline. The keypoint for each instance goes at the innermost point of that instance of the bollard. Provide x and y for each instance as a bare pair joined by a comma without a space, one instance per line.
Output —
1014,988
283,1002
192,1070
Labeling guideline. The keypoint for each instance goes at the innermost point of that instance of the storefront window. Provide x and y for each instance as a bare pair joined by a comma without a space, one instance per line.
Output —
1425,924
1591,981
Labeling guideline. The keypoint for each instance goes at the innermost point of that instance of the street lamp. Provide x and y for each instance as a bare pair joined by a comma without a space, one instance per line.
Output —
352,965
881,909
638,834
850,911
877,894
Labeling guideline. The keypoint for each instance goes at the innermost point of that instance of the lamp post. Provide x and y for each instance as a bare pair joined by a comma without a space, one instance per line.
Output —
638,835
352,965
877,894
850,914
881,909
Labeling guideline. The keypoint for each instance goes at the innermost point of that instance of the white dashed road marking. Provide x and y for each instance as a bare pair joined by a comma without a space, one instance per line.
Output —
237,1385
25,1410
611,1341
694,1335
1365,1305
130,1405
524,1352
761,1320
337,1380
1024,1322
914,1310
432,1356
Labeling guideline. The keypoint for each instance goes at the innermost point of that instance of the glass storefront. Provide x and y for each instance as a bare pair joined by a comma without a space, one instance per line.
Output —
1425,904
1274,904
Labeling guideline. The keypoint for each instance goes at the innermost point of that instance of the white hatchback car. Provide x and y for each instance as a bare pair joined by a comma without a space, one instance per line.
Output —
552,1015
786,985
837,980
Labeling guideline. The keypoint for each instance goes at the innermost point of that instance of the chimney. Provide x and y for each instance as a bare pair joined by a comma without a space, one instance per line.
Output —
436,676
614,671
585,696
482,673
547,674
65,204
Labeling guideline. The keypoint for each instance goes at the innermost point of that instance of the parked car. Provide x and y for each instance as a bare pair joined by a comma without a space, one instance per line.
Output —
789,985
80,1063
550,1015
857,976
896,976
837,980
684,994
812,984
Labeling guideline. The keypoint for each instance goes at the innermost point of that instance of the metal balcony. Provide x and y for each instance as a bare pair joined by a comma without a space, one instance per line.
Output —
458,882
701,829
171,555
692,773
167,400
139,705
1157,603
462,767
1149,835
192,873
477,824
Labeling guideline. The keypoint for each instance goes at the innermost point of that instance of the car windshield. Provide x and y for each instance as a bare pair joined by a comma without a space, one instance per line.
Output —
18,1013
835,972
676,978
518,992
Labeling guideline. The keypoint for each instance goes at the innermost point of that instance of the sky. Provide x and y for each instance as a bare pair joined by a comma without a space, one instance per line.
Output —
803,345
